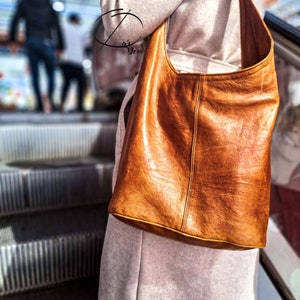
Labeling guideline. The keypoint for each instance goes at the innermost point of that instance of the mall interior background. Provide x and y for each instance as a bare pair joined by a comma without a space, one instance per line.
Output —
15,89
283,251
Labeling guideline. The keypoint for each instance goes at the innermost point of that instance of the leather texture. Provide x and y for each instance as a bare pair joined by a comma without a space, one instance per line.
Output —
195,163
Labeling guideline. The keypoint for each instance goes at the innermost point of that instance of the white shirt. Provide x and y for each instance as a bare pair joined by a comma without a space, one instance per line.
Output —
76,41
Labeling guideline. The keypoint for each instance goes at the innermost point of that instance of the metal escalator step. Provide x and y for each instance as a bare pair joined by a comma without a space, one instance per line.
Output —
41,250
30,186
55,118
11,192
54,141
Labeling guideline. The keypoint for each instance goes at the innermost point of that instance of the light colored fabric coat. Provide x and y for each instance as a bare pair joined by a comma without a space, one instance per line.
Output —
139,265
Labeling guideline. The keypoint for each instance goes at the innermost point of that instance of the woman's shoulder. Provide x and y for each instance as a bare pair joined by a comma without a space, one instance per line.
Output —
128,21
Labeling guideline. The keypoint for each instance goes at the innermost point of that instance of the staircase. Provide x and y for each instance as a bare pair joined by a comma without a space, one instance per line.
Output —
55,184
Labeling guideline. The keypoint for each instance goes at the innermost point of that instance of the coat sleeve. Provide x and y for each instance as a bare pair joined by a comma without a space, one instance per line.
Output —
57,27
132,20
18,15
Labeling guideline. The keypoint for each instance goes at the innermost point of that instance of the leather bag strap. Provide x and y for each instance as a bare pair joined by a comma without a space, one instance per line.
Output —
255,37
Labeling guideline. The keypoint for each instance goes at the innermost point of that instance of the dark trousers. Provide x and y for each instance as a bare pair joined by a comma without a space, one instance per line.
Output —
41,51
73,72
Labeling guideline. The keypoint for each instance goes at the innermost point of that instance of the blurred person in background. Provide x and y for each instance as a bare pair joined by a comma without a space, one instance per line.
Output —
43,41
76,44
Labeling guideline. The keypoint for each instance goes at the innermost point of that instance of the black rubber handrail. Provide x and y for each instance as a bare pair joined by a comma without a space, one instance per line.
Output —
285,29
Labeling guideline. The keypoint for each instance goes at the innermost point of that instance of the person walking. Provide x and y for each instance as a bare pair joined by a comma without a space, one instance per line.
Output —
76,43
137,264
43,41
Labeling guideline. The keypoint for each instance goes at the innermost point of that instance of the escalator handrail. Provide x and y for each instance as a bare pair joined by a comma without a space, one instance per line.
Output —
285,29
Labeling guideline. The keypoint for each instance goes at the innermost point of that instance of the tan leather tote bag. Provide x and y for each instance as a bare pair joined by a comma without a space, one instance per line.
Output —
195,163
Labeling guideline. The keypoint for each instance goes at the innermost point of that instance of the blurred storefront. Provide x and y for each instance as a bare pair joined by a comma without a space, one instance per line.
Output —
282,256
286,138
15,88
108,70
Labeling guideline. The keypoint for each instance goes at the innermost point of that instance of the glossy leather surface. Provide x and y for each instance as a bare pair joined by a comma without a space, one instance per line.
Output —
195,163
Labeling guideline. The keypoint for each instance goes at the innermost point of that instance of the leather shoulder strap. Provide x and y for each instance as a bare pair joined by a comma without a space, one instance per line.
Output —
255,37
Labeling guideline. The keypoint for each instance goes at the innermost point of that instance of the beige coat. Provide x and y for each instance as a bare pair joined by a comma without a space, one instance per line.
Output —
139,265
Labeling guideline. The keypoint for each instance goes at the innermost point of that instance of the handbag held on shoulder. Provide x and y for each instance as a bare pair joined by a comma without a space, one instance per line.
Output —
195,163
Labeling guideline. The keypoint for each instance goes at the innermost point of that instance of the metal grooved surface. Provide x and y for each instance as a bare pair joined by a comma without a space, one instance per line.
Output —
70,186
54,188
47,262
11,192
33,142
55,118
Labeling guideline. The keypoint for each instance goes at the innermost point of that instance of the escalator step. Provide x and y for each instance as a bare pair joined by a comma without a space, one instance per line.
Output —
57,118
30,186
40,141
41,250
